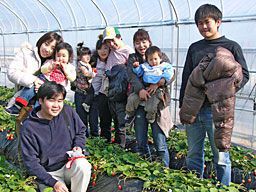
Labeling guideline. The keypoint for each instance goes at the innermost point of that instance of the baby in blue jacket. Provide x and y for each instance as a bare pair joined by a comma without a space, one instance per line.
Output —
151,72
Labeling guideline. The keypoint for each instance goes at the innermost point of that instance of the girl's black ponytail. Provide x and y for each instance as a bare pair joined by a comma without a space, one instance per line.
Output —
78,48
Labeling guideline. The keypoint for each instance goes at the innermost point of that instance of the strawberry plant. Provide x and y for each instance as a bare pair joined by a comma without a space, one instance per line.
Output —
6,93
110,158
7,123
12,180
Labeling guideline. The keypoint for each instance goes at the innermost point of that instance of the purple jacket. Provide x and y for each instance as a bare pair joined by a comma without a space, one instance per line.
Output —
44,143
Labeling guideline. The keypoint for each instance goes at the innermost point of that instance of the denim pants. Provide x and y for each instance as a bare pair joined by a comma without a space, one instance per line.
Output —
29,93
141,133
196,134
84,116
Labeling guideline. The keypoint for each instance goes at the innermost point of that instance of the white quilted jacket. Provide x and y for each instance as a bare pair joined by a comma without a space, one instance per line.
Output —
24,65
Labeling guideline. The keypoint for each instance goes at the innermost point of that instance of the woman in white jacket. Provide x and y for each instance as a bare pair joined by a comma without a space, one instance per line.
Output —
26,65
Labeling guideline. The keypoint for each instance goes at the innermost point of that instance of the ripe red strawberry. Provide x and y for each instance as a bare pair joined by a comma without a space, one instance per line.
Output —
10,137
93,175
120,187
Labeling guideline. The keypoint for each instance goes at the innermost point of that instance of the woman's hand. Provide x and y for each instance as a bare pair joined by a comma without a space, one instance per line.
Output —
144,95
60,187
152,88
37,83
161,82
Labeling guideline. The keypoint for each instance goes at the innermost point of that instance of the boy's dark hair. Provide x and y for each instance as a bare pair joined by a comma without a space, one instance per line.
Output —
153,49
207,10
48,37
81,50
51,89
66,46
141,35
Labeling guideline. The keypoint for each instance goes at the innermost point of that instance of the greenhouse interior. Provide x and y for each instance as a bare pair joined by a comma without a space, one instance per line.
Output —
170,24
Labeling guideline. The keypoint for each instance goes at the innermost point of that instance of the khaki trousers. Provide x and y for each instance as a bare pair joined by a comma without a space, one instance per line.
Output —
78,176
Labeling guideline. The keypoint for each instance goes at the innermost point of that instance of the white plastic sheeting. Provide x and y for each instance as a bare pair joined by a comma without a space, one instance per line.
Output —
169,22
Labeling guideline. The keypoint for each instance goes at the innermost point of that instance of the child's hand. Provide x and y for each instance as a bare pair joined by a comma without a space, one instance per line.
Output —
94,70
64,66
136,64
85,71
54,64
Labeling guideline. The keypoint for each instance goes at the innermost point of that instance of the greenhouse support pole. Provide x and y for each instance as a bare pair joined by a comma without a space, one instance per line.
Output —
101,12
4,56
52,13
18,17
177,59
254,119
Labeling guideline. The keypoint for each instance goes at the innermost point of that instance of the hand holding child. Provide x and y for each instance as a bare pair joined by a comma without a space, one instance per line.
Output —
37,83
144,95
152,88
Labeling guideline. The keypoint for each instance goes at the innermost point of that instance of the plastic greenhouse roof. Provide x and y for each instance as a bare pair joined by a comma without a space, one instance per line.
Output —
33,16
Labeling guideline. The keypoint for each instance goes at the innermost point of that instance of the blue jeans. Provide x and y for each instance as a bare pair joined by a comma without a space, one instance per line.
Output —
141,133
196,134
29,93
84,116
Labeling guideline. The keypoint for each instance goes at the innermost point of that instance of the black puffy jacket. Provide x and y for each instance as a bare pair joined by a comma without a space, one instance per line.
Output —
118,83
